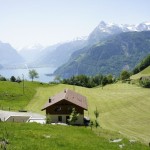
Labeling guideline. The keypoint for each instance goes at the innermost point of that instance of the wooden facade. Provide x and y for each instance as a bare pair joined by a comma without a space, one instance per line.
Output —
63,107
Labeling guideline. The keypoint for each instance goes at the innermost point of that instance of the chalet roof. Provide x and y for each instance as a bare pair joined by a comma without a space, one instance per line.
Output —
70,96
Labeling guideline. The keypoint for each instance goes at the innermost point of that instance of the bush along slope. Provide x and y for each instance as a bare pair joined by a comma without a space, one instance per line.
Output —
142,72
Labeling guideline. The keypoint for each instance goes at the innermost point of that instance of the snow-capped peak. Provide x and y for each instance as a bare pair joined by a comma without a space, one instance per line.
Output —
112,28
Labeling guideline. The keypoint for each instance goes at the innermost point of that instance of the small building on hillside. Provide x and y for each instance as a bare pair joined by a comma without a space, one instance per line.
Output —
145,78
60,106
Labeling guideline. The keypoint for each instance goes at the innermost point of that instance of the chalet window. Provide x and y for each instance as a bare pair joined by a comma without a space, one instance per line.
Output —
59,118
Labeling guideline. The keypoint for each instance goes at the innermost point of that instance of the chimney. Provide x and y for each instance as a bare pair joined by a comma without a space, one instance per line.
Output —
49,100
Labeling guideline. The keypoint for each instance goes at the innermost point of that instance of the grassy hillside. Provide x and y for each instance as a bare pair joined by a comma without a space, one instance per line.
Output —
145,72
123,107
41,137
12,96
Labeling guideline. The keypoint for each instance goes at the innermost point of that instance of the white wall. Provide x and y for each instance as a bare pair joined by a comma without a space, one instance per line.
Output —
54,119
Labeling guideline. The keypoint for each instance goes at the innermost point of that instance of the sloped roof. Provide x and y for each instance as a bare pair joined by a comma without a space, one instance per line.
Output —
145,78
69,96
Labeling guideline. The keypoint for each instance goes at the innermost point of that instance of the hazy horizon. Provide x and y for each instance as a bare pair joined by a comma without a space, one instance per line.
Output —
47,22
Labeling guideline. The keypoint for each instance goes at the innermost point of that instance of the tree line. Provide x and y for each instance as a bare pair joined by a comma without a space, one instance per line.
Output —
142,65
89,81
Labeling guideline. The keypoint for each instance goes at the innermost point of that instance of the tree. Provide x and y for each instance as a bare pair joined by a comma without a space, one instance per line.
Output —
96,113
91,124
33,74
104,81
96,123
73,116
2,78
124,75
13,79
48,119
110,79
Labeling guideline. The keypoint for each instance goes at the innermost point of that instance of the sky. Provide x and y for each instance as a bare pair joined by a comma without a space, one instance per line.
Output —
47,22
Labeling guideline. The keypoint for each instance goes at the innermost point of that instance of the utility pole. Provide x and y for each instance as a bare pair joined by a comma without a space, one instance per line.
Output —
23,83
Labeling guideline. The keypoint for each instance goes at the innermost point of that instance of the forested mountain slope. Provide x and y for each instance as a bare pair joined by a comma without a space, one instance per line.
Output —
110,56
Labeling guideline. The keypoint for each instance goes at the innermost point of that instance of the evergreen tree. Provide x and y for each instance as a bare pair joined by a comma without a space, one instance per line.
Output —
73,116
96,113
91,124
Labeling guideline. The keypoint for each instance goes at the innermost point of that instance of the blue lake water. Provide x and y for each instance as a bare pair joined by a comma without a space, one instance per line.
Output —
25,72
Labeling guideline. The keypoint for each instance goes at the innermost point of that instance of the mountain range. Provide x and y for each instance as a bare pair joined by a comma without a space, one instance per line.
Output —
31,52
109,48
58,54
109,56
104,30
8,55
50,56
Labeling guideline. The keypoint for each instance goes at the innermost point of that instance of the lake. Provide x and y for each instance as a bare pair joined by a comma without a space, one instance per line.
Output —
25,72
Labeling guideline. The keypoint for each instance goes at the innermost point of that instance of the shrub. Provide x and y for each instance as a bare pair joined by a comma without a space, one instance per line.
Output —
145,83
13,79
2,78
48,119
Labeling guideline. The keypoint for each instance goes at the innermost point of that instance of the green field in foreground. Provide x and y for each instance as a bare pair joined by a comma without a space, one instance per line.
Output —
124,108
33,136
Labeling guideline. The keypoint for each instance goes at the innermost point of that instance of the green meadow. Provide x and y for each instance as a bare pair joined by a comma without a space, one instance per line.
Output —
23,136
124,109
15,96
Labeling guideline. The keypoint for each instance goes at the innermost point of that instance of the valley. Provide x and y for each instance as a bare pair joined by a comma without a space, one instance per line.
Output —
74,75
